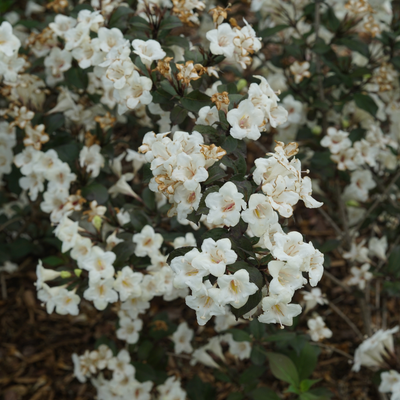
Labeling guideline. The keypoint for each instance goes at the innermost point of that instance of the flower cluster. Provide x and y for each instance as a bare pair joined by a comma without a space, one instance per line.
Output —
179,165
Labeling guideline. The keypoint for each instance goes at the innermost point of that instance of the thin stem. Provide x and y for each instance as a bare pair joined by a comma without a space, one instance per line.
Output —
341,352
331,221
337,281
346,319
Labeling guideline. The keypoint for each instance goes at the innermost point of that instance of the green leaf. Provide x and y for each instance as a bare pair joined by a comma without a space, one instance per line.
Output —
21,248
178,252
205,129
166,85
215,173
254,274
68,153
198,390
252,302
396,62
271,31
170,23
307,360
144,372
257,355
316,394
281,337
195,100
95,191
283,368
239,335
178,115
251,374
393,265
123,251
149,199
54,122
366,103
235,396
306,384
264,393
5,5
257,329
355,45
176,41
76,77
119,17
230,144
139,23
53,261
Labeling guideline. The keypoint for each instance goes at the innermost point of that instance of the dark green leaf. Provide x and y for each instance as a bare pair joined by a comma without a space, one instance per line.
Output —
316,394
178,115
205,129
252,302
170,23
215,173
306,384
283,368
355,45
235,396
257,329
53,261
178,252
230,144
393,265
123,251
95,191
264,393
76,77
271,31
199,390
195,100
239,335
257,355
366,103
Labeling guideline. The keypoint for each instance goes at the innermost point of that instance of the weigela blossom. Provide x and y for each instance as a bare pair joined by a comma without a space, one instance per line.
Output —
91,158
147,242
318,329
373,351
278,310
148,51
129,330
360,276
182,338
300,70
101,292
234,289
127,283
225,205
390,381
9,43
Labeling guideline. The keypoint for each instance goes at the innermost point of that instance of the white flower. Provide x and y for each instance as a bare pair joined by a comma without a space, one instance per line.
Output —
216,255
147,242
388,380
222,40
44,275
121,366
312,298
208,116
81,250
259,215
110,38
225,205
373,351
201,355
62,24
66,302
148,51
171,389
357,253
88,54
318,329
99,263
9,267
241,350
361,182
378,247
203,304
127,283
184,241
287,278
245,121
234,289
135,306
129,330
182,338
100,291
337,141
360,276
9,43
91,158
278,310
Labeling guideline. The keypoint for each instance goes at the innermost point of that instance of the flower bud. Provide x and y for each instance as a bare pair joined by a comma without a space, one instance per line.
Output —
352,203
65,274
345,123
97,221
78,272
242,83
316,130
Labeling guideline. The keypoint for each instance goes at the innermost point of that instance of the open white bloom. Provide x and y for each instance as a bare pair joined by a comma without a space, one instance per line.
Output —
203,304
101,292
360,276
287,278
9,43
260,214
378,247
389,379
201,355
208,116
241,350
222,40
246,121
147,242
121,366
66,302
129,330
337,141
99,263
110,38
318,329
44,275
361,182
186,274
185,241
234,289
373,351
225,205
171,389
91,158
277,310
215,256
312,298
62,24
127,283
357,252
148,51
182,338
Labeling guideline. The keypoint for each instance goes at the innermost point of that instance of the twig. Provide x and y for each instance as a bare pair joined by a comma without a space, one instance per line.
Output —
179,355
337,281
9,222
347,319
331,221
343,217
3,286
377,201
325,346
